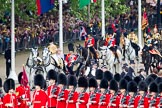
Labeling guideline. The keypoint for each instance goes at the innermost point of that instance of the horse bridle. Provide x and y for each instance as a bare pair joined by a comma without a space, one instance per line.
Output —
128,49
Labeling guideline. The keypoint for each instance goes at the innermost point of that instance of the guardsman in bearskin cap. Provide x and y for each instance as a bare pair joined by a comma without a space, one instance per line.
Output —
90,43
123,95
53,89
137,79
108,75
104,97
10,99
70,58
39,96
23,93
1,94
63,93
114,98
83,95
159,99
94,95
141,100
149,80
99,75
132,93
117,77
73,95
153,94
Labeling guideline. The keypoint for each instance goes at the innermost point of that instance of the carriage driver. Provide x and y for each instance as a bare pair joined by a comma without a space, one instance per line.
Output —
133,38
70,58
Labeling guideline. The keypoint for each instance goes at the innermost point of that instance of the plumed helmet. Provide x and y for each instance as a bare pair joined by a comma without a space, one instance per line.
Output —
137,79
71,47
93,82
123,84
108,75
154,76
62,79
149,80
113,85
0,82
117,77
39,80
20,77
128,78
160,87
142,86
83,82
153,87
158,80
99,74
104,84
72,80
8,85
132,86
52,75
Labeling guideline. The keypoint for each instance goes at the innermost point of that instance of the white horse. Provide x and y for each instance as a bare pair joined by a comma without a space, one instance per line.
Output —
31,64
108,57
129,51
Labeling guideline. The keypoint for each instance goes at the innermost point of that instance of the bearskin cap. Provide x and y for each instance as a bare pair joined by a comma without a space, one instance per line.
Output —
0,82
62,79
117,77
83,82
132,86
71,47
108,75
39,80
154,76
72,80
113,85
142,86
104,84
93,83
8,85
128,78
160,87
52,75
20,77
137,79
123,84
89,31
110,31
153,87
158,80
99,74
149,80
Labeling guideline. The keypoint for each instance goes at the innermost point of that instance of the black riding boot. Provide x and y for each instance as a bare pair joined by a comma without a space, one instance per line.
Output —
116,57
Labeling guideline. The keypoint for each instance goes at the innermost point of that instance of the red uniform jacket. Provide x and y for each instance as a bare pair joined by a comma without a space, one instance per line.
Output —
62,103
159,102
115,103
155,105
130,101
123,101
23,96
89,42
83,104
96,98
105,102
10,98
74,98
39,99
145,103
70,58
52,100
1,103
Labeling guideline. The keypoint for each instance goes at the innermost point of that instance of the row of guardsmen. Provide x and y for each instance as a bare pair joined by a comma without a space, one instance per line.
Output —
105,91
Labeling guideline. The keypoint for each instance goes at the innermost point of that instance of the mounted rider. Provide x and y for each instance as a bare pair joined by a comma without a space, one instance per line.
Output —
111,43
156,35
90,43
134,40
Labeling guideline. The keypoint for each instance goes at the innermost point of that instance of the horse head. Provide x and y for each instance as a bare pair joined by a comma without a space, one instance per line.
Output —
34,53
103,51
45,53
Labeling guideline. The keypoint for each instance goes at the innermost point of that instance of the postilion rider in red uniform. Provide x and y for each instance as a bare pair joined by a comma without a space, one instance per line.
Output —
73,95
39,96
53,89
23,93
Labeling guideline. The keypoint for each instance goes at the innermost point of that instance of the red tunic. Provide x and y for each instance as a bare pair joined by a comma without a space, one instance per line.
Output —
96,98
10,99
130,101
70,58
1,103
39,99
115,103
159,102
111,42
74,98
105,102
83,104
62,103
145,103
52,100
123,101
23,96
155,105
89,42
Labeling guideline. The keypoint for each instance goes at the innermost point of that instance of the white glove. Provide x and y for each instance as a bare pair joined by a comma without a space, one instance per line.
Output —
23,96
155,42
